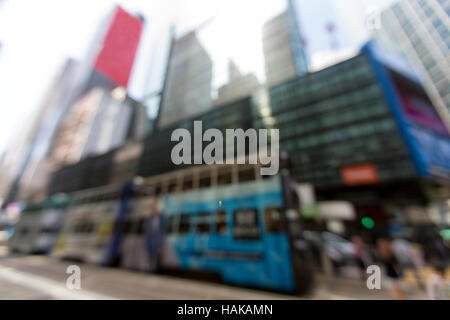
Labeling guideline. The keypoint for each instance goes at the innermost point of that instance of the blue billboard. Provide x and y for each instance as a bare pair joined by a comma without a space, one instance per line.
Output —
421,127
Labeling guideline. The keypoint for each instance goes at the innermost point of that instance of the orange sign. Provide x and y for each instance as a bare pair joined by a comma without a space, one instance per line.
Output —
360,174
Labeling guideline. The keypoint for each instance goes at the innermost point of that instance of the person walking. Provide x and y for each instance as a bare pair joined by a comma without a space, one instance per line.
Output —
392,269
362,253
408,258
438,287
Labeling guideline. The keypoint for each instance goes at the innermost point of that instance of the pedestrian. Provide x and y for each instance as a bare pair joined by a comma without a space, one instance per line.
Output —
408,258
155,234
438,287
392,269
441,251
362,253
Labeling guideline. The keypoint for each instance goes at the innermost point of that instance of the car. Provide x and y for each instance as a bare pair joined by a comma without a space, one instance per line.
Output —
339,250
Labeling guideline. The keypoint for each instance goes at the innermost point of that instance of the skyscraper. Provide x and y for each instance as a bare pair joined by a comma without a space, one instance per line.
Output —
97,123
420,29
30,152
239,85
108,65
188,80
119,46
283,50
231,56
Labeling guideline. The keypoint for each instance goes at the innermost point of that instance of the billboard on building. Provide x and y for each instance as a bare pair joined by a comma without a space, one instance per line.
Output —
360,175
116,57
427,137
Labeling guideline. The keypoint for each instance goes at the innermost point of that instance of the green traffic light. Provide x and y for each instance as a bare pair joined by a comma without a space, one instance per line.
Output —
368,223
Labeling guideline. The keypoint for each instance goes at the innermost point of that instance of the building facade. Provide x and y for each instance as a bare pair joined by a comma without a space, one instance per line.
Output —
365,131
68,124
188,81
97,123
420,29
284,55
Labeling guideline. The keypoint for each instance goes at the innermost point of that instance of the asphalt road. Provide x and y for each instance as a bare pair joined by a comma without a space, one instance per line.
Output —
40,277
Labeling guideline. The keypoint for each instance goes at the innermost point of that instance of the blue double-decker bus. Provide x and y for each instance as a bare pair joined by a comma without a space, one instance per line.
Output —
225,219
237,230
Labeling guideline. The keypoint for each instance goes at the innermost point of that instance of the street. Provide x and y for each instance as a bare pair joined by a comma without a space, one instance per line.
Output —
41,277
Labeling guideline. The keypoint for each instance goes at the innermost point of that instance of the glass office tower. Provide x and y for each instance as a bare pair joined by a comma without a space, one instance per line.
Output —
284,55
421,30
336,118
189,77
343,116
231,56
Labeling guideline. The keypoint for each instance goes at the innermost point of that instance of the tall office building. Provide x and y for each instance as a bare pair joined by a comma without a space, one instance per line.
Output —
98,122
30,153
118,46
188,81
365,131
107,66
231,57
284,54
420,29
239,85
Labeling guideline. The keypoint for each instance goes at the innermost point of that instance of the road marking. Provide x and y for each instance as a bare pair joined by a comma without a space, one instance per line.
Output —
53,288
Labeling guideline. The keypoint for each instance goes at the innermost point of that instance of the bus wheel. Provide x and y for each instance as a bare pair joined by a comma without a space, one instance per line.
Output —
303,275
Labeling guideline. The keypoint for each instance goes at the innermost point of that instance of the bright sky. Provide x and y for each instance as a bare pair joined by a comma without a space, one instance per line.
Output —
37,37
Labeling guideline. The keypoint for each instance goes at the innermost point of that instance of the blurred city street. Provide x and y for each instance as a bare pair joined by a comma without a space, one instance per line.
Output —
225,150
40,277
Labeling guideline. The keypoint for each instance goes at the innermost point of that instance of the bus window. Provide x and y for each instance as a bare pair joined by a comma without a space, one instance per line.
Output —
224,176
118,226
89,227
203,223
75,229
221,222
48,229
127,227
92,227
272,217
140,226
187,184
247,175
158,189
245,226
185,223
122,226
172,186
204,181
80,228
169,224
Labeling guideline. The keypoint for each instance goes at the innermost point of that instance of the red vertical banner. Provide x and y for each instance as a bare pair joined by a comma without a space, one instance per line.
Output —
119,47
